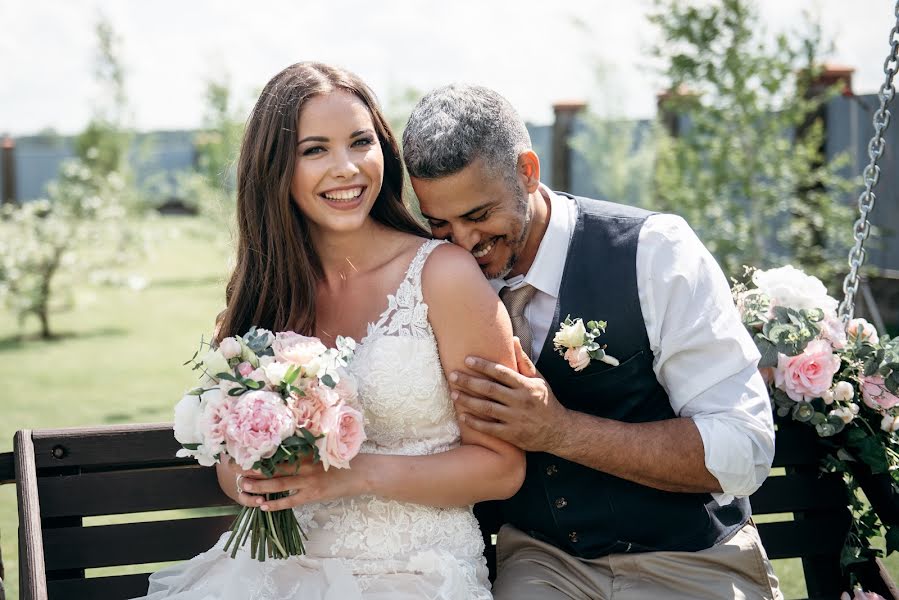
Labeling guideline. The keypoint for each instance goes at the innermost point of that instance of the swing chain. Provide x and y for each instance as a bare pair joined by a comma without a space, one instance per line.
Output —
871,175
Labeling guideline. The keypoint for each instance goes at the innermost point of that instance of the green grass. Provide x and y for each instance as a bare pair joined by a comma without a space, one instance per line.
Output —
120,356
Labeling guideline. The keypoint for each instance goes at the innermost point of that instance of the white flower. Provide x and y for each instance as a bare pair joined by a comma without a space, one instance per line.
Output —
789,287
861,329
578,358
890,423
827,397
230,348
187,420
275,371
571,336
854,408
215,363
843,392
610,360
844,413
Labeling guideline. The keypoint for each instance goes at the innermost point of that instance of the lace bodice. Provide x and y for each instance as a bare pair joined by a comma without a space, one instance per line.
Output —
405,400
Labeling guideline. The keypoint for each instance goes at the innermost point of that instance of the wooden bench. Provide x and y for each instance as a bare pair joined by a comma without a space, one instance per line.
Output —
68,475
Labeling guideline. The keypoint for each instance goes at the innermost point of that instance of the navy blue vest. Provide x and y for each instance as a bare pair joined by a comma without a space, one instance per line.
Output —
586,512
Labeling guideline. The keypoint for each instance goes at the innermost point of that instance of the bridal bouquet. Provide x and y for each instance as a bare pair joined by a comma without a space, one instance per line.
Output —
268,401
843,382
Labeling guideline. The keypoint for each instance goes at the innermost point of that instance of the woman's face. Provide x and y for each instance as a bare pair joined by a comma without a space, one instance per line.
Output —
339,163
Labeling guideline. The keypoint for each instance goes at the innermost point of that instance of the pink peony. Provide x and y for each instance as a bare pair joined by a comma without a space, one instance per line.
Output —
215,416
296,349
578,358
344,434
230,348
876,395
258,423
807,375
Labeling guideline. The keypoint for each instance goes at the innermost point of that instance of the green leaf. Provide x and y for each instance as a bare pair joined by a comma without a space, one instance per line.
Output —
768,352
328,381
191,447
228,377
892,539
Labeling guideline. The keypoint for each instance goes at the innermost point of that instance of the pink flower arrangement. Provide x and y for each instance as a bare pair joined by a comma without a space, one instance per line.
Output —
875,394
267,401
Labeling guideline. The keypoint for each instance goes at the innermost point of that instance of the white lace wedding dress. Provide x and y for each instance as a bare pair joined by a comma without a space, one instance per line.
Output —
367,547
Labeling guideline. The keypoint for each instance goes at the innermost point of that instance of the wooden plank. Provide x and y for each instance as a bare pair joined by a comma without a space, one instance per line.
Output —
7,468
99,588
817,538
32,577
133,444
139,490
131,543
799,491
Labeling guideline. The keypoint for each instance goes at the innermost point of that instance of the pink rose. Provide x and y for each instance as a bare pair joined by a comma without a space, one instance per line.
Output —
876,395
346,388
862,330
258,423
807,375
296,349
344,434
244,369
578,358
309,410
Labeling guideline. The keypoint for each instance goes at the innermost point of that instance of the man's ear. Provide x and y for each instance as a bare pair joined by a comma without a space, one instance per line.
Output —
529,170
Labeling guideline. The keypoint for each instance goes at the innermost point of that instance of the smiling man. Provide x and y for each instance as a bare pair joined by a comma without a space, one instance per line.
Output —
637,473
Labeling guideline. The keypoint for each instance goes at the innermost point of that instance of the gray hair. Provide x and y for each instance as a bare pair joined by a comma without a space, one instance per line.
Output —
454,125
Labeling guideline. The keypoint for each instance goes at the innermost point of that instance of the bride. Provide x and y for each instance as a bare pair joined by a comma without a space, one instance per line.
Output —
326,247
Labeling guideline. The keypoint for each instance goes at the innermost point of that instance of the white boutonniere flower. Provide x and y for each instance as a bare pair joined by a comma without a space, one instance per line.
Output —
577,343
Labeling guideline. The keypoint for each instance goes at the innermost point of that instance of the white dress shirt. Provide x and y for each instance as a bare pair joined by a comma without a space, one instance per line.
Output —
702,355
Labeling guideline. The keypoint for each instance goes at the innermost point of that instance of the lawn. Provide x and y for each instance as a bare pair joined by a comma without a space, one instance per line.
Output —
120,356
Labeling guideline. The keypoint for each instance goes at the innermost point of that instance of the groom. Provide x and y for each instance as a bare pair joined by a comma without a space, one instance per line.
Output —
637,473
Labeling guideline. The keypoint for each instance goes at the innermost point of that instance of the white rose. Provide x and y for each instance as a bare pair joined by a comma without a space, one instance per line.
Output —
571,336
844,413
788,286
889,423
578,358
230,348
275,371
215,363
843,391
187,420
827,397
860,328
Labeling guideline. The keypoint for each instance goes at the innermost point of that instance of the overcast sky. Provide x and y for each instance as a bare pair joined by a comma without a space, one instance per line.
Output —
528,50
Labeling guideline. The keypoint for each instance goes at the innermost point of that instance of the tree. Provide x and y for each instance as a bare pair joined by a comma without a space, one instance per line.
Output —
747,167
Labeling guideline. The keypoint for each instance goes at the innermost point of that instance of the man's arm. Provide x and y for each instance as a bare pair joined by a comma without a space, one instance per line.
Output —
724,441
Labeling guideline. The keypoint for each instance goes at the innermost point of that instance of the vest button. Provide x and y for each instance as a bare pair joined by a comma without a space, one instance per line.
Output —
551,470
573,537
561,503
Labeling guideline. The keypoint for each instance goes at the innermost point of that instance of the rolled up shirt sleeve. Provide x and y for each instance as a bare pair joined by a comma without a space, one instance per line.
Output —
703,357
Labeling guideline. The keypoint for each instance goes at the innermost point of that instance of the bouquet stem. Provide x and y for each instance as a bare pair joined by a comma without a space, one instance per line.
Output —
273,534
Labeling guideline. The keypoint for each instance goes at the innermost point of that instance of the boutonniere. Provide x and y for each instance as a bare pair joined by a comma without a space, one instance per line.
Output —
578,345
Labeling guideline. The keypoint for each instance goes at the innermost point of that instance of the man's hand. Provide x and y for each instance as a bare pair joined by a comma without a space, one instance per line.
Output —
518,407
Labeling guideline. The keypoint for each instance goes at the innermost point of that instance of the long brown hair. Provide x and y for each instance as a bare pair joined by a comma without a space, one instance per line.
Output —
273,283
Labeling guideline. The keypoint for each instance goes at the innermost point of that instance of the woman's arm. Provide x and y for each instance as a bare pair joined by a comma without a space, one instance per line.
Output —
467,318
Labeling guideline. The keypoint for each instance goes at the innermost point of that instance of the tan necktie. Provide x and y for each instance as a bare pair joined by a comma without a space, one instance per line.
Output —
515,301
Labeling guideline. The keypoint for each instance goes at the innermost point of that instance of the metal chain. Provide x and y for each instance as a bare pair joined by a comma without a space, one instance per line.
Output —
871,176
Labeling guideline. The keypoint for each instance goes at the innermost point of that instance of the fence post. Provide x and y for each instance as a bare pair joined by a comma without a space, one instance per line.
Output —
8,166
565,113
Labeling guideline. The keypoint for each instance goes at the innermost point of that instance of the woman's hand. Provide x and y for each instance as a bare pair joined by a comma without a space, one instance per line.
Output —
310,484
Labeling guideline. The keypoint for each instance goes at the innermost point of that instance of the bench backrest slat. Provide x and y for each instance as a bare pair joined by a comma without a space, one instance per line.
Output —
131,543
130,491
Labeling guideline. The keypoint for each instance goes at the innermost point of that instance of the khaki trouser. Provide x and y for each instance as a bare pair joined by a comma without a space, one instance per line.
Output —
738,568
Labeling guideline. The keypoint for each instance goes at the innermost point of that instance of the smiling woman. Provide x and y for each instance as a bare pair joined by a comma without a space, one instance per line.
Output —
327,248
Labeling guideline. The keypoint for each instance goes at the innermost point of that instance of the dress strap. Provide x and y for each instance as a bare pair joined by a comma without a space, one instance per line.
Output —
413,273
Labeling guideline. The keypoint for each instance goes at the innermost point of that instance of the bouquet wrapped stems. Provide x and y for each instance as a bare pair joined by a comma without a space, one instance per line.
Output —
272,534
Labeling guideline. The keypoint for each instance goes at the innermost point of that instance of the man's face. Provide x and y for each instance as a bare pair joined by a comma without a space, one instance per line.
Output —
479,211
